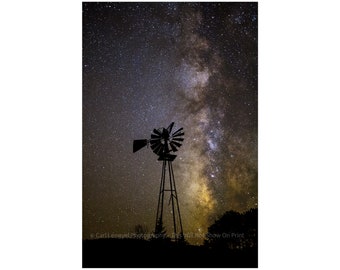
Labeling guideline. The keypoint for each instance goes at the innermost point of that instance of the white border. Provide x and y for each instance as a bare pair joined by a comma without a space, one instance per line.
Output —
40,110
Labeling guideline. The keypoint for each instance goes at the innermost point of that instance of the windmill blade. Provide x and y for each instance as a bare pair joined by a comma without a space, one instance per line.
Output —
177,131
154,141
155,148
178,139
154,144
153,136
157,132
170,127
178,134
173,147
139,144
176,143
160,150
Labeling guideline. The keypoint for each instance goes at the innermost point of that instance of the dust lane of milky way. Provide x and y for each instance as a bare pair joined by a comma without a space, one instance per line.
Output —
146,65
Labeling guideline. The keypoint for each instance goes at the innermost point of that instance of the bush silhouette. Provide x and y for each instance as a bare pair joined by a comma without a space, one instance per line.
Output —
234,231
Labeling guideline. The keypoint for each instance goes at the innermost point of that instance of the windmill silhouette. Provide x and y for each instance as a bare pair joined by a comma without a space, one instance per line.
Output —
162,143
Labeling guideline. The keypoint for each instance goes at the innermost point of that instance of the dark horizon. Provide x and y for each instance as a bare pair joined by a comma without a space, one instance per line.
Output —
232,241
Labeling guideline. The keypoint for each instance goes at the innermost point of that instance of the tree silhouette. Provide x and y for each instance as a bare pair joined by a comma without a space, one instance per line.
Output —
250,227
140,231
233,231
160,232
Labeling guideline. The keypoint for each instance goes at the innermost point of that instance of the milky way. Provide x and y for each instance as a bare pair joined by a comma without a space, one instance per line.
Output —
146,65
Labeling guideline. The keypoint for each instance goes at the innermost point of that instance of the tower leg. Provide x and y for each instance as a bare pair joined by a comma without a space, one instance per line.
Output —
172,198
159,217
181,235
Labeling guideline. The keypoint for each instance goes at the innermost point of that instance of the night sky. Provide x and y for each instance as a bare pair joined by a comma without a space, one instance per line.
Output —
146,65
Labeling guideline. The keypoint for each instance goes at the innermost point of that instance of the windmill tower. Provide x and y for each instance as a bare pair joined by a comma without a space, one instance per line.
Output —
163,142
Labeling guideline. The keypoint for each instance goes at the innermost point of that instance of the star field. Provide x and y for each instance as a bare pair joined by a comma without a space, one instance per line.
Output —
146,65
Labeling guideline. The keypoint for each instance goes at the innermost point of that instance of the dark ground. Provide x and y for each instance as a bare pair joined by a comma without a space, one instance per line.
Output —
128,253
